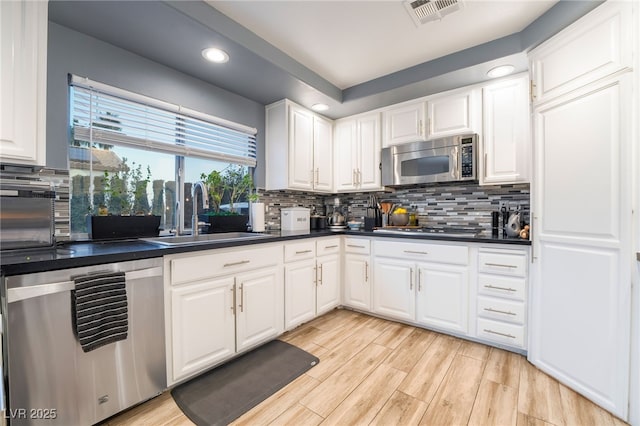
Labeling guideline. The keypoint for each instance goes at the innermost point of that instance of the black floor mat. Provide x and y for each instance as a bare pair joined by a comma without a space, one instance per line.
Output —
226,392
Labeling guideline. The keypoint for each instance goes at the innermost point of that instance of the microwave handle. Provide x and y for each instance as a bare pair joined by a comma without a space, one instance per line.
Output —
455,158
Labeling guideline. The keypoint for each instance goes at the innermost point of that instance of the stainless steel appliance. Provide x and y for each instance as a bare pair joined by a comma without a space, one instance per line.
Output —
26,214
451,159
51,380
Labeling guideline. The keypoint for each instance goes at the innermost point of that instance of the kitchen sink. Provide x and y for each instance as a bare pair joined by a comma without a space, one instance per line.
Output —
183,240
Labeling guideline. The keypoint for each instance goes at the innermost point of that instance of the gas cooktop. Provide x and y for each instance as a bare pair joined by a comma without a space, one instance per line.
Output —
444,232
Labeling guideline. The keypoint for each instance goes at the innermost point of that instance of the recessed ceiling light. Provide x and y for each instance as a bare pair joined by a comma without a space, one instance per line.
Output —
216,55
500,71
319,107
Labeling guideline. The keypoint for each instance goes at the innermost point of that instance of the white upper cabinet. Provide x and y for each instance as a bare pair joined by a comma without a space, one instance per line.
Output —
23,77
357,153
453,113
599,46
404,123
506,130
298,149
322,154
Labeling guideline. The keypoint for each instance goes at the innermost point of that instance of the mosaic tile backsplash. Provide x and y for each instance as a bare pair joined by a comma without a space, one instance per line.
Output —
468,206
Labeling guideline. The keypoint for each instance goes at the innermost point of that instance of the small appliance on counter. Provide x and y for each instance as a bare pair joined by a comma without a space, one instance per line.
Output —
336,220
26,214
294,219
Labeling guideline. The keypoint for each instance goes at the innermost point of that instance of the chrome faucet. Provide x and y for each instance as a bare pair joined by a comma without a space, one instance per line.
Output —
205,203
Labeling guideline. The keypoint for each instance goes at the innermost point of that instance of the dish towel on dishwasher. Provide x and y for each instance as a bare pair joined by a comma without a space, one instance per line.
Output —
99,309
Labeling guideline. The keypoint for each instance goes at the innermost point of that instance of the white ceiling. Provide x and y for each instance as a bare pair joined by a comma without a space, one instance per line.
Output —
351,42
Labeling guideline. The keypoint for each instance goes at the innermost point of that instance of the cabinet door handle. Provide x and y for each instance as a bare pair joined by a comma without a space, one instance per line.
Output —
498,311
242,262
317,176
410,278
499,334
315,275
359,178
501,265
366,272
419,127
353,177
532,90
419,279
321,274
233,292
303,251
416,252
499,288
241,297
485,165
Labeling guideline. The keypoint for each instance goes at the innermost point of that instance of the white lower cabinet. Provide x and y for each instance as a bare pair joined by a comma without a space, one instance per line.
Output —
299,293
393,294
259,307
202,326
357,274
443,296
219,303
501,301
327,283
434,294
312,284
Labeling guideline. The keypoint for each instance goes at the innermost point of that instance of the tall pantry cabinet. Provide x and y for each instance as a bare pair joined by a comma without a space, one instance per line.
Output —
581,202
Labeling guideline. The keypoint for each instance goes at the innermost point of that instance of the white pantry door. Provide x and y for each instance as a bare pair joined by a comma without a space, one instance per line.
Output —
580,296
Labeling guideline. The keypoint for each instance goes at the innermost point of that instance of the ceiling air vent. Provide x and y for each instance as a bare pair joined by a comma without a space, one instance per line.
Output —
423,11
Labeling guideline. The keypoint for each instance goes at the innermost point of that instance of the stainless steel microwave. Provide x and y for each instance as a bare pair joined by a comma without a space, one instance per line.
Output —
451,159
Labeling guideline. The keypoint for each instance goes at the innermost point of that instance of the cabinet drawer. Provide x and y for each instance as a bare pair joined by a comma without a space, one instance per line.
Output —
299,251
500,309
507,334
357,245
496,285
425,252
203,266
327,246
503,262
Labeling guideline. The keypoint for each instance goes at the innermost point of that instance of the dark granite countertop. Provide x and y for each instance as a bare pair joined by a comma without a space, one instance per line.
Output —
87,253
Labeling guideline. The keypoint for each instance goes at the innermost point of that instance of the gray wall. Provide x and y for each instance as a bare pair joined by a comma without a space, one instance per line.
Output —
71,52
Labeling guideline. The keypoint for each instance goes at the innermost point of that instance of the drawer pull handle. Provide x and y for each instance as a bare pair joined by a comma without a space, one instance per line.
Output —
499,334
242,262
416,252
355,246
330,247
500,265
500,288
499,311
303,251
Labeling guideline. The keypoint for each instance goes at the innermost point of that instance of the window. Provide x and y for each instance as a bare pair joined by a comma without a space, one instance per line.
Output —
131,154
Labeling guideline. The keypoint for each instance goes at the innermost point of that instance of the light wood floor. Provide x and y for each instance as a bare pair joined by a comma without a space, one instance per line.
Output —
377,372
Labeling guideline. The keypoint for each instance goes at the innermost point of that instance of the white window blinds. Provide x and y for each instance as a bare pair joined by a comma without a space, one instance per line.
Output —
108,115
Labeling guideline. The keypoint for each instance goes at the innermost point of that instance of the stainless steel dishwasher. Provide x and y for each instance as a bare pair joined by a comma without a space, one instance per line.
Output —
51,380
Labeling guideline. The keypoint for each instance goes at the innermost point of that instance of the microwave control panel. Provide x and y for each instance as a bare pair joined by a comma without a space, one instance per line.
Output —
466,165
